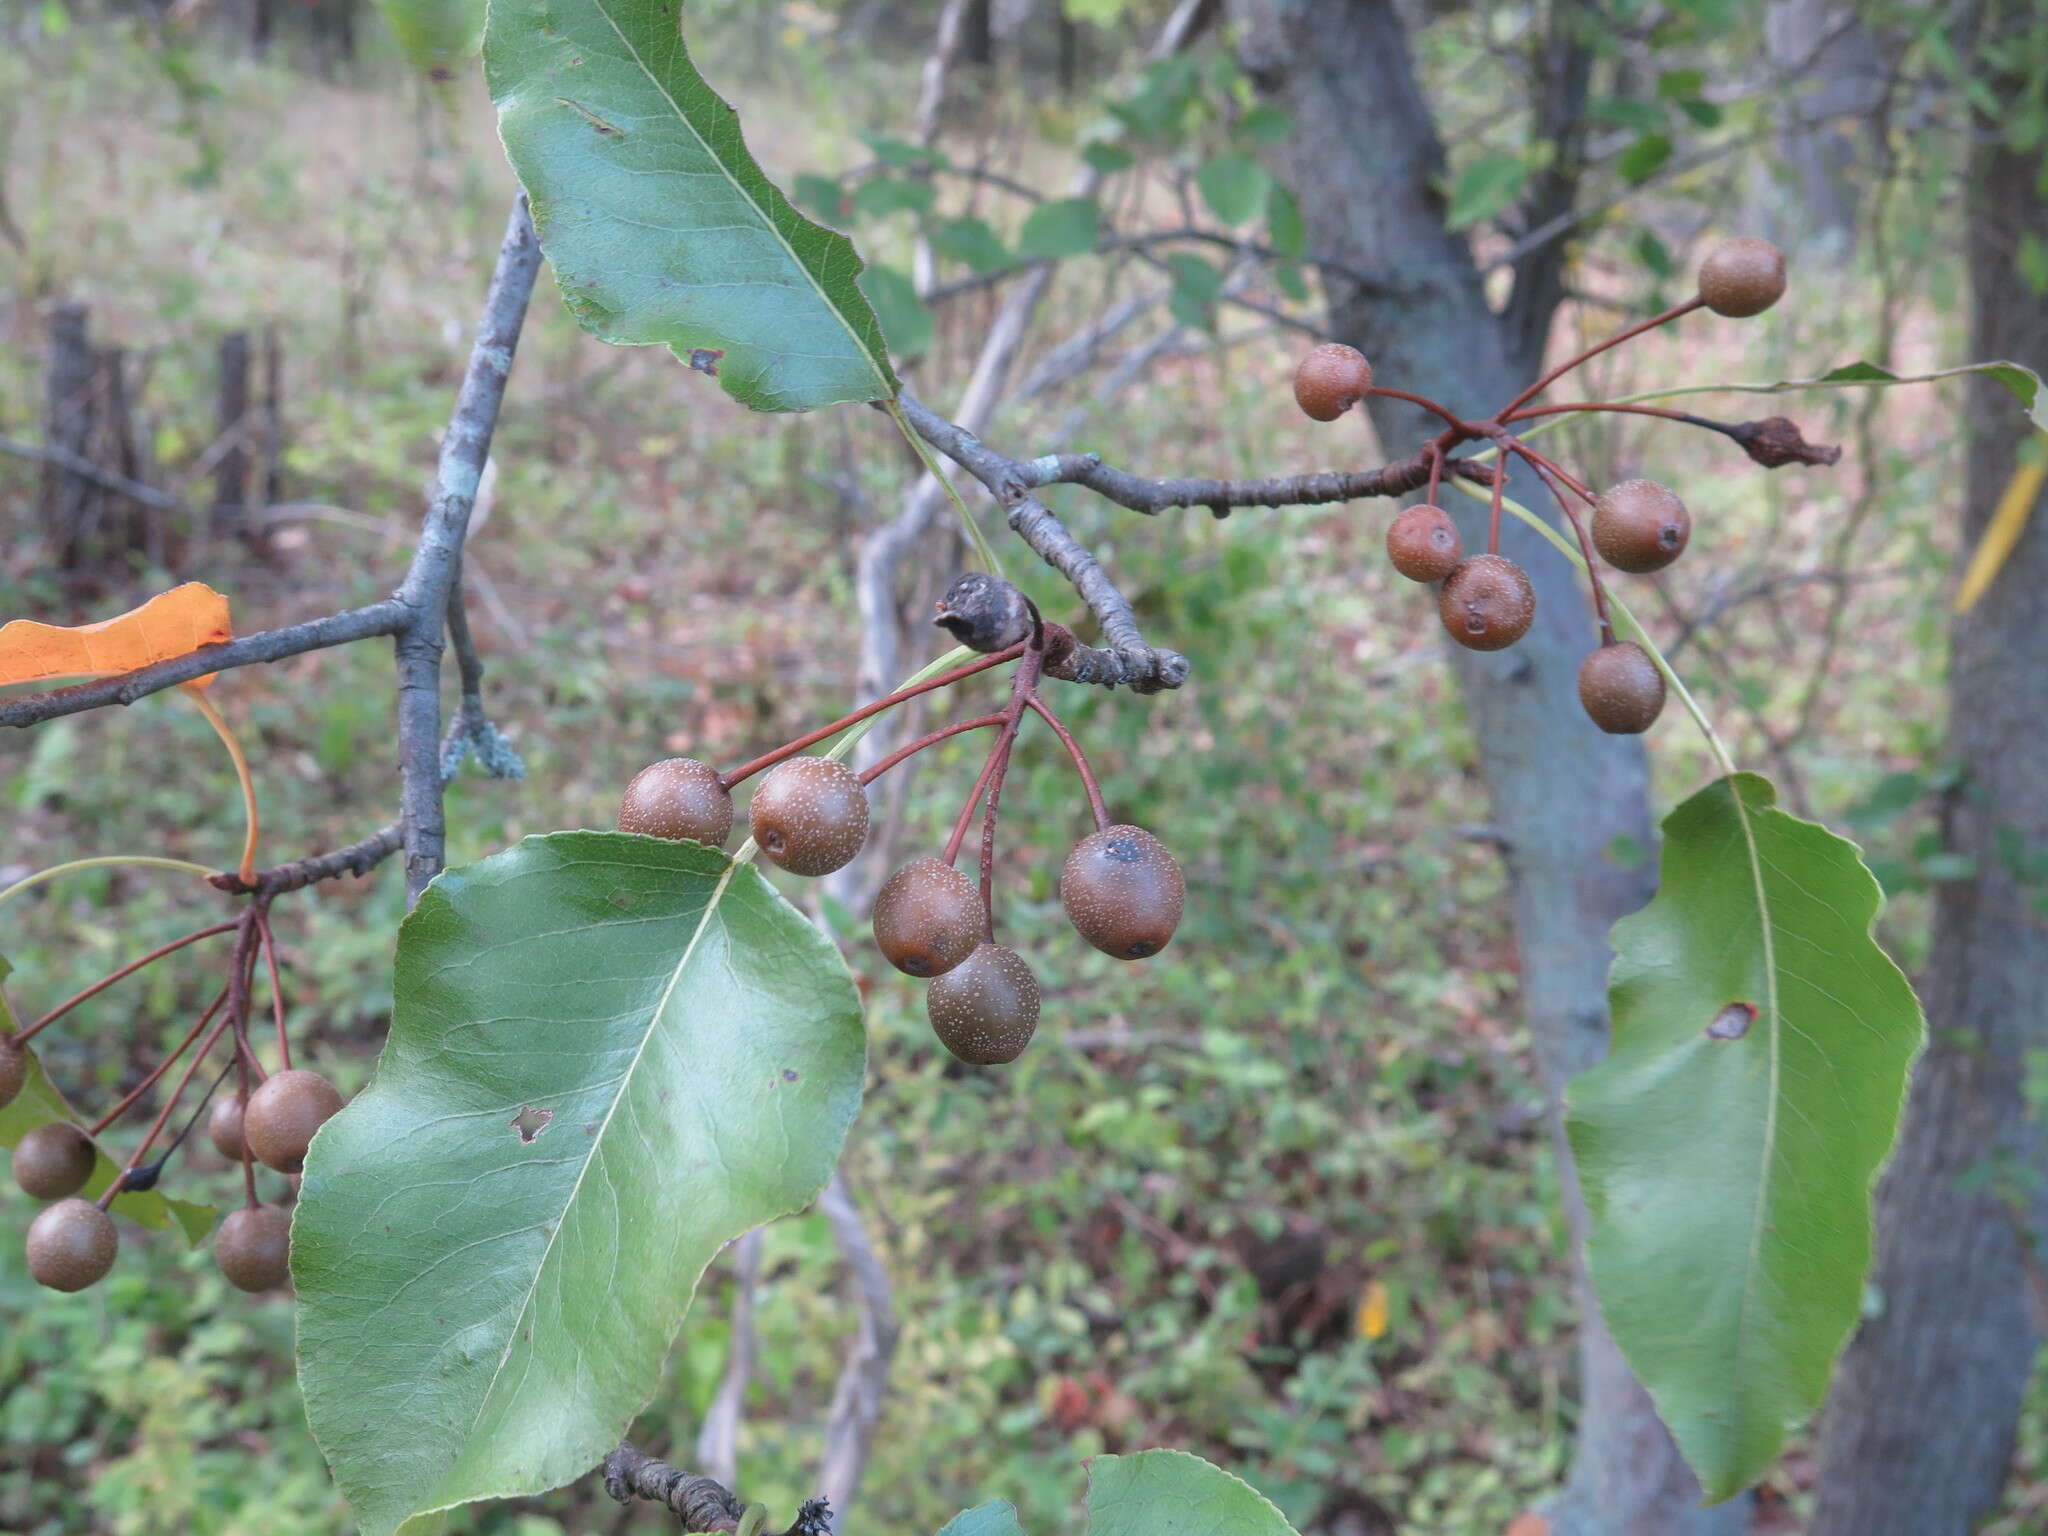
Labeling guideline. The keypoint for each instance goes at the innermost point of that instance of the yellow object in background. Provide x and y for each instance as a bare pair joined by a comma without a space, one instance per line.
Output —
2006,525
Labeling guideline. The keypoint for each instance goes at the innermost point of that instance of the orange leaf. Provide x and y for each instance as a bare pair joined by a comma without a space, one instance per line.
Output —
173,623
1372,1311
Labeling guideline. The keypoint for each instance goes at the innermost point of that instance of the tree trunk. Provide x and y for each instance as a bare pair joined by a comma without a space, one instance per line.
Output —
1919,1434
1365,161
69,501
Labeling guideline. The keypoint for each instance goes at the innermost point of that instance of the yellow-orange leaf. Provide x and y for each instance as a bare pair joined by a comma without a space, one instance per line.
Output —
173,623
1372,1311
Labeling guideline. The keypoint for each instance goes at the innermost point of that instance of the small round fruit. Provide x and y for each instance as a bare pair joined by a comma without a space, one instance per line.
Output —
928,917
71,1245
1123,891
1331,379
253,1247
1742,277
1423,543
1640,526
1486,603
985,1008
810,815
13,1071
224,1128
282,1115
1621,688
53,1161
678,797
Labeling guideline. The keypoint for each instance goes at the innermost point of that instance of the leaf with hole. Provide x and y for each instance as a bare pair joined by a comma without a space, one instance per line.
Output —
660,226
1729,1142
486,1300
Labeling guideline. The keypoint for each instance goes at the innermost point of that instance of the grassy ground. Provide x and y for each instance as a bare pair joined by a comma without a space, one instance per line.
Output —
1285,1198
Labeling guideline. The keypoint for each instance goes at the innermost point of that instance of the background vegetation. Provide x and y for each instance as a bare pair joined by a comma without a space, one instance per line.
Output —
1287,1200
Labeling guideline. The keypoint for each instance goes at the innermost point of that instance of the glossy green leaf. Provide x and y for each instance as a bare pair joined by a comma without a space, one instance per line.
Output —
1064,227
660,226
609,1056
1729,1142
1234,186
438,36
40,1103
1170,1493
1484,188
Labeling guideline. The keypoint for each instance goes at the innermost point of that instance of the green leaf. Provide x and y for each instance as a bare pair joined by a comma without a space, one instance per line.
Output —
1644,158
1197,286
1484,188
1234,187
822,195
971,242
1284,226
905,320
879,196
1064,227
660,226
1287,277
1159,1493
1264,123
40,1103
1108,158
609,1055
438,36
998,1518
1729,1142
901,152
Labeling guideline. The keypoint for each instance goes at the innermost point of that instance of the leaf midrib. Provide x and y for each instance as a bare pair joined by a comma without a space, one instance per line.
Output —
1774,1035
859,346
654,1016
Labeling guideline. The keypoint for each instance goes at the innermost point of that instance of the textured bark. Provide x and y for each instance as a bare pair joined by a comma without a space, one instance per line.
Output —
1919,1434
1365,161
69,501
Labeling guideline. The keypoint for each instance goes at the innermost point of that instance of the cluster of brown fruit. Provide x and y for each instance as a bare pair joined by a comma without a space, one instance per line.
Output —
72,1243
1486,602
1120,887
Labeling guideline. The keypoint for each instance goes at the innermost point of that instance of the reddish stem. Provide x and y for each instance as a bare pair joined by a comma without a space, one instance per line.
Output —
1022,684
966,817
869,775
1080,758
1553,467
248,1159
888,701
284,1045
1530,413
1594,351
127,970
1460,428
1436,471
163,1066
1585,545
1500,484
157,1125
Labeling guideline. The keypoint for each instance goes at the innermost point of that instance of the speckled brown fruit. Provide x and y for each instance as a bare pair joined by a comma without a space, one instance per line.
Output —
283,1113
53,1161
1621,688
1640,526
985,1008
1487,604
224,1127
13,1071
1331,380
928,917
253,1247
810,815
1423,543
1742,277
678,797
1123,891
71,1245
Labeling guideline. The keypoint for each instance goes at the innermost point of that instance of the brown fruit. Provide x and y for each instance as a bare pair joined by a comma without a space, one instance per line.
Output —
282,1115
1621,688
13,1071
224,1128
253,1247
1640,526
71,1245
53,1161
1331,380
810,815
1423,543
1123,891
1742,277
1487,604
678,797
928,917
985,1008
